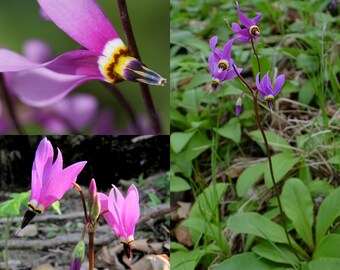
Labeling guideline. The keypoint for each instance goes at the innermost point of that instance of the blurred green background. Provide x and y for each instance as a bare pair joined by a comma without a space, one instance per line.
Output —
20,21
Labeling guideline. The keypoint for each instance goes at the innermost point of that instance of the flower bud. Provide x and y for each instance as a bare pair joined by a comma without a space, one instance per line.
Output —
95,209
92,193
78,255
238,106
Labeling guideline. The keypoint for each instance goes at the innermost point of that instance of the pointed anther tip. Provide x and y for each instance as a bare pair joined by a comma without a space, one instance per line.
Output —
163,82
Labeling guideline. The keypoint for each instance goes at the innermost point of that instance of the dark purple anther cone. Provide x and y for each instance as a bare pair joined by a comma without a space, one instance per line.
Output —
29,215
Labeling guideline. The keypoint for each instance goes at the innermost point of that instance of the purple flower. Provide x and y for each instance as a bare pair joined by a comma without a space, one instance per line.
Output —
220,62
78,256
49,180
251,30
238,106
266,90
105,57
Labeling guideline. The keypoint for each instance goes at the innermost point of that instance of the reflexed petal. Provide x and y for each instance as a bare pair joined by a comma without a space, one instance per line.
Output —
257,18
42,87
213,42
227,50
231,74
131,210
278,84
212,62
267,85
243,18
104,122
235,27
57,166
43,160
257,80
243,39
11,61
37,51
84,21
60,183
80,62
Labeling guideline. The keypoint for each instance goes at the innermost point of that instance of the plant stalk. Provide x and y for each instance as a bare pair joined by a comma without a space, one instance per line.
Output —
91,250
83,201
133,49
257,58
10,105
259,125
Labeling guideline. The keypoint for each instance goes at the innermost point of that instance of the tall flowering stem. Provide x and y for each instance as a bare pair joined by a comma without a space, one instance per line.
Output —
257,58
10,105
133,49
259,125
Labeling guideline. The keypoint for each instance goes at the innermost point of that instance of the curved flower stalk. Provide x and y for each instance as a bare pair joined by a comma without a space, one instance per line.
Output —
123,214
266,90
251,29
49,180
105,56
220,62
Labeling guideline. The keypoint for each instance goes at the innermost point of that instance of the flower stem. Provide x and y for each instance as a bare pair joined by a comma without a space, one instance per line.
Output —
124,104
91,250
83,200
259,125
10,105
257,58
132,45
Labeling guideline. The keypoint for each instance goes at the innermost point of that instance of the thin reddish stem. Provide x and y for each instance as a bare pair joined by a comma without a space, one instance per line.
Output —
83,200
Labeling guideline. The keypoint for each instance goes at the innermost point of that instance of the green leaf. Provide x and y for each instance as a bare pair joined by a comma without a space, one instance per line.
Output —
318,187
177,246
176,116
329,211
306,93
206,206
181,260
56,207
274,140
249,261
196,146
178,140
248,178
329,247
324,264
231,130
11,208
256,224
275,253
178,184
298,206
334,159
282,164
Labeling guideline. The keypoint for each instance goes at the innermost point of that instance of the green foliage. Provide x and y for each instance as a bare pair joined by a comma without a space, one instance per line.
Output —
11,208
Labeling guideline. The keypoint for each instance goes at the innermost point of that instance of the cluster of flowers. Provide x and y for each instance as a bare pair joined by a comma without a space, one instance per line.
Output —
39,81
50,181
222,65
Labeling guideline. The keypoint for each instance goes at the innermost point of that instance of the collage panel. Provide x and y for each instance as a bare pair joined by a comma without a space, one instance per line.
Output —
84,202
84,67
255,141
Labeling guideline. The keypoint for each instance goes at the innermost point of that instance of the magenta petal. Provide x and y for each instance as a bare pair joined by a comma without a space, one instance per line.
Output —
80,62
235,27
82,20
60,183
243,18
212,62
11,61
257,80
213,42
103,201
37,51
257,18
231,74
267,84
131,211
278,84
227,49
42,87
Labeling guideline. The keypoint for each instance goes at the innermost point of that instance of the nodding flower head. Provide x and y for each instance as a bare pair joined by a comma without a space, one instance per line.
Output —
220,62
238,106
266,90
49,180
251,29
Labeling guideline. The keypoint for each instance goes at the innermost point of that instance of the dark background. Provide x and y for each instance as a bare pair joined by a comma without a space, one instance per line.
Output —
109,158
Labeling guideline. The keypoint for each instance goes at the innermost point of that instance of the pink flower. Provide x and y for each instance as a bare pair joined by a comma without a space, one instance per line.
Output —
49,180
123,212
104,57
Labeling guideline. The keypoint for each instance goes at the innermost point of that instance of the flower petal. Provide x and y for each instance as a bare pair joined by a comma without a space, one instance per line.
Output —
11,61
267,84
37,51
235,27
258,84
41,87
79,62
257,18
213,42
227,49
278,84
243,18
82,20
131,210
231,74
60,183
